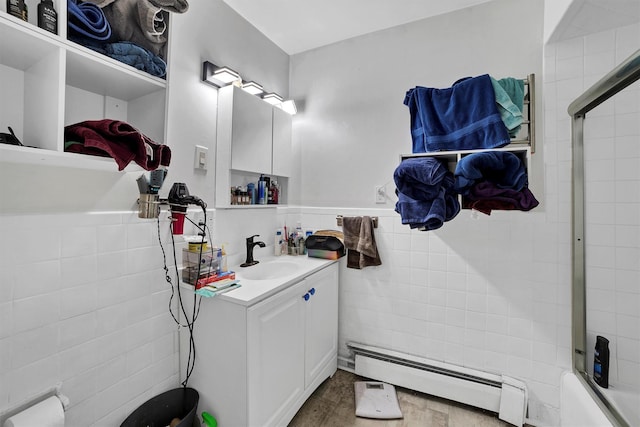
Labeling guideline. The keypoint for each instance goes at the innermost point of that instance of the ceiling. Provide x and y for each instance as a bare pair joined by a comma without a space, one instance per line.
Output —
300,25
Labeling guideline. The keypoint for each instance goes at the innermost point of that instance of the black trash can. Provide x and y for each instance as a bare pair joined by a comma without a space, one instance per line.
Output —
158,411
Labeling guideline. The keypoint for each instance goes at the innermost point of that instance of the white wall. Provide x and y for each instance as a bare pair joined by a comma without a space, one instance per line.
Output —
490,293
83,300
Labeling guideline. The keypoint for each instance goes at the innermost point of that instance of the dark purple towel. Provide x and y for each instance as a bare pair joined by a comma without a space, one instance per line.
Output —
118,140
485,196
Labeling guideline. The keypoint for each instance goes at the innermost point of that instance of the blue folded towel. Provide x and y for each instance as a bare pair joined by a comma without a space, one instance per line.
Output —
502,168
425,193
462,117
87,20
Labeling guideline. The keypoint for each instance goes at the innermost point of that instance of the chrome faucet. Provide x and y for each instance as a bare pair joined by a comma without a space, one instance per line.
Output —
250,245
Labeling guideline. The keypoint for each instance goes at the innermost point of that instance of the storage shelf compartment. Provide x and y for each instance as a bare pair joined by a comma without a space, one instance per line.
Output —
100,74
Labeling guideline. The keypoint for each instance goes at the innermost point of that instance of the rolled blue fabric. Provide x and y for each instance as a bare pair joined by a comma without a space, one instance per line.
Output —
87,20
137,57
502,168
425,193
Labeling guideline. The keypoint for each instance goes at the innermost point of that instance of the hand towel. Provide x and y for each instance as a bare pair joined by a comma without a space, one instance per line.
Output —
425,193
118,140
462,117
485,196
87,20
360,241
502,168
509,94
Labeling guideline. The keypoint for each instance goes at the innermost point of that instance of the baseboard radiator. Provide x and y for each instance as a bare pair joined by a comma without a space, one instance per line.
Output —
497,393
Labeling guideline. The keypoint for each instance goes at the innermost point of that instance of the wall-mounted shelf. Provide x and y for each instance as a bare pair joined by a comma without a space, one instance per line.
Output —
522,145
48,82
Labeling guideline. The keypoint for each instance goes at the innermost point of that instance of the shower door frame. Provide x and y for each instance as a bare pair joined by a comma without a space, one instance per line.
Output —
616,80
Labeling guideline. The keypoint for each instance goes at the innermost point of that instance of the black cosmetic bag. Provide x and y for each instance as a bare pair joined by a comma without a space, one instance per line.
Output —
324,246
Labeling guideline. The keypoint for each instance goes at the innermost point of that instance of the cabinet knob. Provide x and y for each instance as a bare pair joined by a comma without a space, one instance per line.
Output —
306,296
312,291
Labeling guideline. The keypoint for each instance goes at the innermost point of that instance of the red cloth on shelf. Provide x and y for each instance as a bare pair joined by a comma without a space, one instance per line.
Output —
118,140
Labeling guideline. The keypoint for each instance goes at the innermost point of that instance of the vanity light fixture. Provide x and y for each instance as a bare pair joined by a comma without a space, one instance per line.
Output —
218,76
252,87
289,106
272,98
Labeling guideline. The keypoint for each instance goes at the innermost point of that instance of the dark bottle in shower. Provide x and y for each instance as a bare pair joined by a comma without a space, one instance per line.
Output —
601,362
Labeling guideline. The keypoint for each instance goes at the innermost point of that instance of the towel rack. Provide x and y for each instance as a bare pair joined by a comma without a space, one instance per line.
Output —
374,218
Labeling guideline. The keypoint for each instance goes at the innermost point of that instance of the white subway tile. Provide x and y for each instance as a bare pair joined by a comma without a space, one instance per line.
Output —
80,387
34,345
78,359
79,241
79,270
77,330
112,238
78,300
34,312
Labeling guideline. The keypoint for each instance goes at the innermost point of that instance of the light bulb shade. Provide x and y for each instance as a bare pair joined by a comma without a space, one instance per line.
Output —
289,106
218,76
252,87
272,98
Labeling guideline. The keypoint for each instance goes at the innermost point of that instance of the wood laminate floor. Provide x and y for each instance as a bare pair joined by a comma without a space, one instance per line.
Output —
333,405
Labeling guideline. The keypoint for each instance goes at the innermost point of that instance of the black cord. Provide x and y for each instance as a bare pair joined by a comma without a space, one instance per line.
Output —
196,299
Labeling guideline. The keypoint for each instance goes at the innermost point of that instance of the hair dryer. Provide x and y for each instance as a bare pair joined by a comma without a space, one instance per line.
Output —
179,198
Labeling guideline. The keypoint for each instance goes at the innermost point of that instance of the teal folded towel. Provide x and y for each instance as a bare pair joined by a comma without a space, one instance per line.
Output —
510,99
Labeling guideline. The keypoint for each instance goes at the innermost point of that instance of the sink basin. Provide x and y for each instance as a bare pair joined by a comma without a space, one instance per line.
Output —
268,270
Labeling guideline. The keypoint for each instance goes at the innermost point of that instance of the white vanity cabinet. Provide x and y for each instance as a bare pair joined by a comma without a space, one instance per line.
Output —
253,138
292,337
257,364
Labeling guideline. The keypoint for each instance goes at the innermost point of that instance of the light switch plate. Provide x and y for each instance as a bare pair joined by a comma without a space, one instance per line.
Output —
381,195
201,160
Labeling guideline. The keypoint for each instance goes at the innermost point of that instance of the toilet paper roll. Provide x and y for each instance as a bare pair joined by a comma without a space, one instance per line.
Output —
48,413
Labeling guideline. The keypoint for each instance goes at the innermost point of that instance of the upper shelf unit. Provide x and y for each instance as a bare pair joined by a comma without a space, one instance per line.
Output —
49,82
522,144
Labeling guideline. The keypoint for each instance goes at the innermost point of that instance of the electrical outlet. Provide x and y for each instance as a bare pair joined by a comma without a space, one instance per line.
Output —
381,195
200,160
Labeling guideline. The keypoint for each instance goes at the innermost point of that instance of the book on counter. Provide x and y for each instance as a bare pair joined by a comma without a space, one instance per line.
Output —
218,281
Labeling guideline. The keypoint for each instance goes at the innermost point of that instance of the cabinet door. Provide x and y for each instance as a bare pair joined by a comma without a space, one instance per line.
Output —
251,133
321,321
275,368
282,151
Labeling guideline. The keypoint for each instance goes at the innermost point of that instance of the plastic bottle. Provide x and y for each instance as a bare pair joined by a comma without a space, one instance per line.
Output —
601,362
299,239
262,191
47,16
275,192
277,244
15,7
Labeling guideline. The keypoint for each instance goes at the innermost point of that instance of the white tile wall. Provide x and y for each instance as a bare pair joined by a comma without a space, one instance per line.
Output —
83,301
493,293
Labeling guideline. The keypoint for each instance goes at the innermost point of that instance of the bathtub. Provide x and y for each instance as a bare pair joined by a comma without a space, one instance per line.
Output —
577,407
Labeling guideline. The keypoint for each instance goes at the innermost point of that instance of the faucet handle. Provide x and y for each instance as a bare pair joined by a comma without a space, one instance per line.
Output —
250,239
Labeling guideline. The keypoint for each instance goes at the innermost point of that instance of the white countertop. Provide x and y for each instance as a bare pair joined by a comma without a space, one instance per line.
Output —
253,291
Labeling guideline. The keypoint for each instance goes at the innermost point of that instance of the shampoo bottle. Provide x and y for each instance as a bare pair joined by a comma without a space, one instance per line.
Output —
277,244
47,16
15,8
601,362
